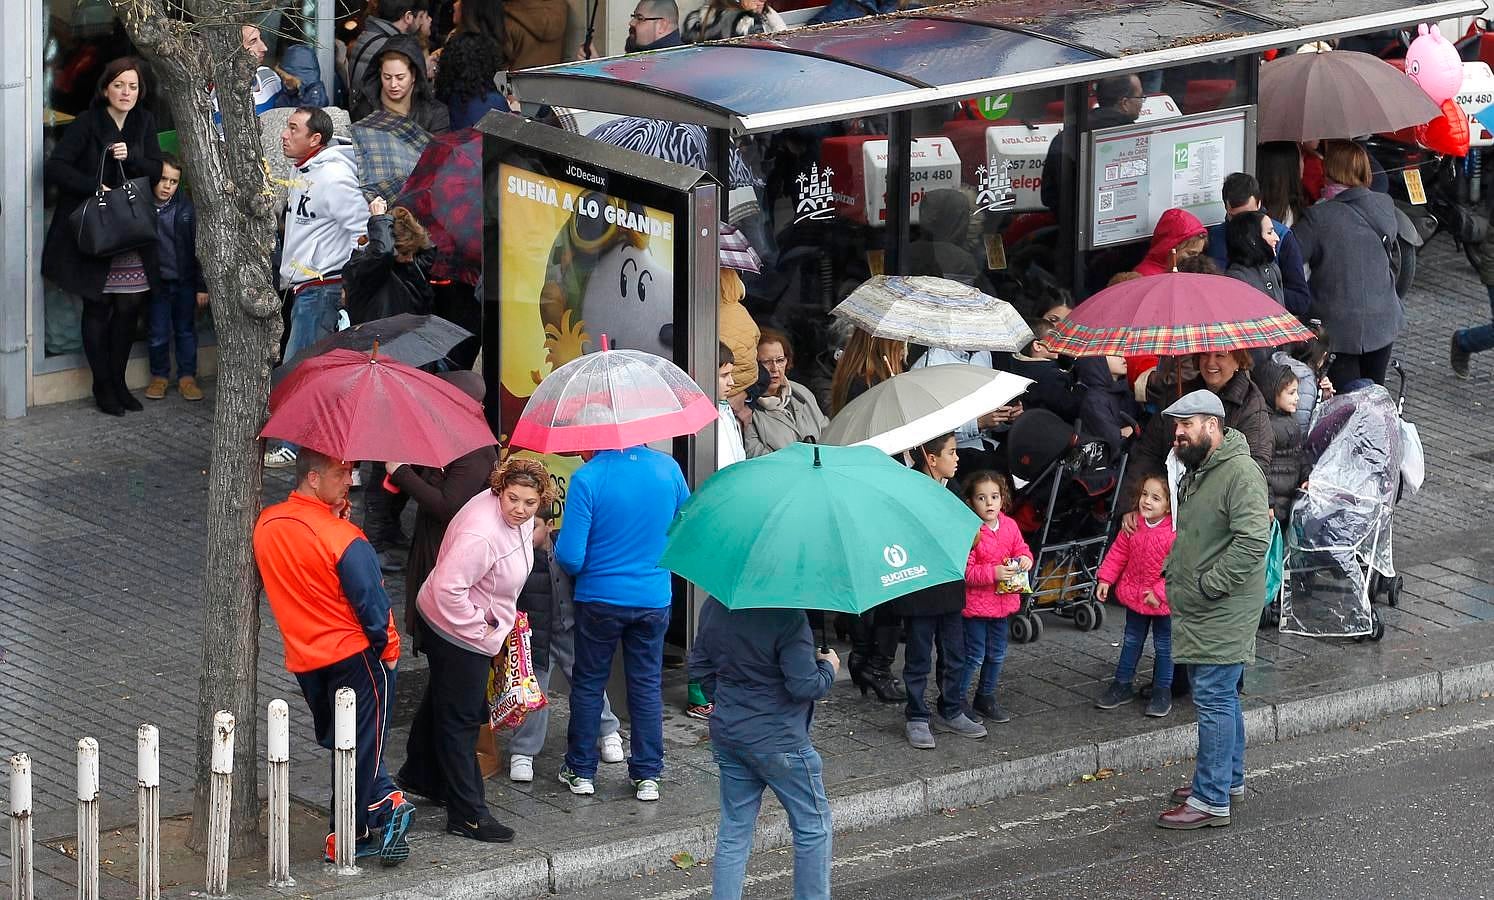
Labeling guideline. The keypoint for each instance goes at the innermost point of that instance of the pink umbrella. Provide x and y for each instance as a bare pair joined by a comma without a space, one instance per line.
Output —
610,400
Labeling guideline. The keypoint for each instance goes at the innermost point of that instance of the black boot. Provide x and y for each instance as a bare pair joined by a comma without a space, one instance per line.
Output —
103,398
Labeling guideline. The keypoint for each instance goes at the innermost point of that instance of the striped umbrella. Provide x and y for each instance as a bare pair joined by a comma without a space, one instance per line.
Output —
934,312
1175,314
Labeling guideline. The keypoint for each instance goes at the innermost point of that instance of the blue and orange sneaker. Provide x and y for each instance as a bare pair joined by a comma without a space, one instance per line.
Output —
368,846
396,813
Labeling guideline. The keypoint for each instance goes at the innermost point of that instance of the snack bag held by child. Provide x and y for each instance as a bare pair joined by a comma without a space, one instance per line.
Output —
1016,582
514,693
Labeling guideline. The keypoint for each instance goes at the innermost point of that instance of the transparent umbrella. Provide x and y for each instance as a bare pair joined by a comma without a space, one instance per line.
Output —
934,312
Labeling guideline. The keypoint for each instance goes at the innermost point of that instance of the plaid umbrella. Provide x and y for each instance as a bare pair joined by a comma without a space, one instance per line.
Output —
736,253
444,191
1175,314
388,148
934,312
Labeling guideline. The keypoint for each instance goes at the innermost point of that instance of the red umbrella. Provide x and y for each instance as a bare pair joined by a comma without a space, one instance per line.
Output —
1175,314
352,405
444,191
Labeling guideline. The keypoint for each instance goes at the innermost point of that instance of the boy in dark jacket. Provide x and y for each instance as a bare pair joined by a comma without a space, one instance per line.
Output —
1289,465
172,314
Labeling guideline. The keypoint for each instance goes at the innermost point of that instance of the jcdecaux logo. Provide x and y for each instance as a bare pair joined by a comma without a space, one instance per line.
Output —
897,559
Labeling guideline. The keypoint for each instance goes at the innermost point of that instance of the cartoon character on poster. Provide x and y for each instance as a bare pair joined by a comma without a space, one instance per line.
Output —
1434,64
603,279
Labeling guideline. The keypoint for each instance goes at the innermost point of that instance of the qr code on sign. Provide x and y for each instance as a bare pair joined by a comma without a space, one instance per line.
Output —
1107,201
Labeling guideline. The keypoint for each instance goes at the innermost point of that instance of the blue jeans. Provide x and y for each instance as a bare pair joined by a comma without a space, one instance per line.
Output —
172,318
985,642
1480,337
798,781
1220,771
1137,626
925,633
313,317
600,627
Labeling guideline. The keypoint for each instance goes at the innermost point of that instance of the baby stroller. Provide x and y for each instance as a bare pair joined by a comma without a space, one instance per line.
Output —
1338,542
1067,487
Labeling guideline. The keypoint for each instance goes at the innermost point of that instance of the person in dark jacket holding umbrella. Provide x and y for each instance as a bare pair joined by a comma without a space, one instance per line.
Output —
390,274
1346,241
114,140
761,669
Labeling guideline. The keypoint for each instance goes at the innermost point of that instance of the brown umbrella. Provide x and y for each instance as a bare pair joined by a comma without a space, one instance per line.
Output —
1337,94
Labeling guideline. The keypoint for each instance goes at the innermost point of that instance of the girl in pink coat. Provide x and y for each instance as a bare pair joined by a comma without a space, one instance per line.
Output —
998,555
1133,566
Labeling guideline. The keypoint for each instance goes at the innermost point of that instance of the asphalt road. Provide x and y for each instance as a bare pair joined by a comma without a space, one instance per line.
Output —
1395,808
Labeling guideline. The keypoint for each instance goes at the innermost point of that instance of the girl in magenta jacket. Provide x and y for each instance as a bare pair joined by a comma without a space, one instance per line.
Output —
1133,567
998,555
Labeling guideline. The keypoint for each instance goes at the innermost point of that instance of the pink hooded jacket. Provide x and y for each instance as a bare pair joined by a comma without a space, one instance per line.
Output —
1174,227
992,549
1133,566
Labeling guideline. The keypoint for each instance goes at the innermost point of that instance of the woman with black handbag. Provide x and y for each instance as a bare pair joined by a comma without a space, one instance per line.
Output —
97,246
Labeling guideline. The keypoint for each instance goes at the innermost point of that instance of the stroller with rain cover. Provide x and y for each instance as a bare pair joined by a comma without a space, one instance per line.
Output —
1066,490
1338,542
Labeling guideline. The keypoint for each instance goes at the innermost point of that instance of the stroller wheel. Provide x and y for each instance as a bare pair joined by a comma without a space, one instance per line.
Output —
1377,629
1021,630
1035,627
1393,596
1084,617
1099,616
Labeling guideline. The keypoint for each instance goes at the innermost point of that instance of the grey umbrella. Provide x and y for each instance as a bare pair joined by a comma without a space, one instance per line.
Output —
1337,94
909,409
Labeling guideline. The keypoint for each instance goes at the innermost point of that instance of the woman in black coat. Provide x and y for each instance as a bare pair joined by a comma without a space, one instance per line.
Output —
115,136
1251,242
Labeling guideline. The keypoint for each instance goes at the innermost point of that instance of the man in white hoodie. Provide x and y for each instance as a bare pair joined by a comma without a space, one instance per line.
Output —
326,217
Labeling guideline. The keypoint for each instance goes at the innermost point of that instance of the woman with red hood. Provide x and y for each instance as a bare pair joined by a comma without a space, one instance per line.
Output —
1179,234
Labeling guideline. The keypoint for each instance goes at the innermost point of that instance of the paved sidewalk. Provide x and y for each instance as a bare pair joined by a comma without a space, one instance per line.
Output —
101,540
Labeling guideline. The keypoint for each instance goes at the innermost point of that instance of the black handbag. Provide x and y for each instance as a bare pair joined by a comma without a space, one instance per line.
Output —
115,220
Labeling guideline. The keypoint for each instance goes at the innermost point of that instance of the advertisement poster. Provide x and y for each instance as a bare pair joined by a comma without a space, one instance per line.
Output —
576,263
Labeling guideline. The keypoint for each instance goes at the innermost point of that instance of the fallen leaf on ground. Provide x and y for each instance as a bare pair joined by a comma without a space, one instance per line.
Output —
683,860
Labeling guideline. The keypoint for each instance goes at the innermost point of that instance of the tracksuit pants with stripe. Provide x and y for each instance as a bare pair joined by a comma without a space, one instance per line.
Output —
373,683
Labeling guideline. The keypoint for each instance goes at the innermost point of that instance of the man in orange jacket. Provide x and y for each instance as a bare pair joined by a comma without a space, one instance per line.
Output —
323,582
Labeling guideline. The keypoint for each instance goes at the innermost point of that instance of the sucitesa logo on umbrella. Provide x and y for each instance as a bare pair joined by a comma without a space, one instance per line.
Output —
896,557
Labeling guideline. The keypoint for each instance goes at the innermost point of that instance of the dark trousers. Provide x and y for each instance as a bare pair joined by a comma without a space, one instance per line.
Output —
373,683
171,319
459,304
874,637
1350,367
382,510
441,757
946,634
109,326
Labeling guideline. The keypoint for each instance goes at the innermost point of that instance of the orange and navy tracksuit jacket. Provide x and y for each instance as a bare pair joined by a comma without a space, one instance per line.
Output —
323,582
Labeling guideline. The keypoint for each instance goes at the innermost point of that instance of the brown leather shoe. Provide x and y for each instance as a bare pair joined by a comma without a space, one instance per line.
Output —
1186,818
156,390
188,386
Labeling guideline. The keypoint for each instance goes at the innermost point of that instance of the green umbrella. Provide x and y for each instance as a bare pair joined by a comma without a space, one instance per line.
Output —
832,528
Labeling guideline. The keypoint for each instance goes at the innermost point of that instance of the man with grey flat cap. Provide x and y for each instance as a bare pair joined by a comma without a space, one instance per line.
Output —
1216,583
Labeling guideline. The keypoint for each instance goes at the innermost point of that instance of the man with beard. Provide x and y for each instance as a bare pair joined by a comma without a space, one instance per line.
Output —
1216,582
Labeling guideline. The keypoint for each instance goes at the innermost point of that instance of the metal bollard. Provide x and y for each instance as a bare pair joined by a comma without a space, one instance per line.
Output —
148,835
345,770
21,884
279,762
220,803
88,819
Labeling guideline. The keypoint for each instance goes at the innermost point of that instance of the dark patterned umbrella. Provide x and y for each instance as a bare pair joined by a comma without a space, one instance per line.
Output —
388,148
444,191
676,142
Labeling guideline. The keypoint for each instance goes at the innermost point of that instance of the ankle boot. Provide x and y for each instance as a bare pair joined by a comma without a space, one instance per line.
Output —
876,676
103,398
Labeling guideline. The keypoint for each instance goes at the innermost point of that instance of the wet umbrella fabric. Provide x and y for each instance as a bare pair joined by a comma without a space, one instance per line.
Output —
352,405
831,528
410,339
934,312
736,252
388,147
1337,94
909,409
1175,314
444,191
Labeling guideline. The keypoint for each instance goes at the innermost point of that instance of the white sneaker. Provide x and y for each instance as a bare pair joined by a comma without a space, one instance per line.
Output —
581,787
521,768
646,789
612,748
280,458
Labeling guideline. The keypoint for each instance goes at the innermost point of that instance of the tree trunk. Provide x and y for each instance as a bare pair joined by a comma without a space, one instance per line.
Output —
235,239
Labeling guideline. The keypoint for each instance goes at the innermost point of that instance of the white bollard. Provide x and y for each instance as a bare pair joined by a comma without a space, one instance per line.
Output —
279,761
148,834
21,884
220,802
88,819
344,776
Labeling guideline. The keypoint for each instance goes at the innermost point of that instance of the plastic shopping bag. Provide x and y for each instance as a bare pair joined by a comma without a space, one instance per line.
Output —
1413,458
513,690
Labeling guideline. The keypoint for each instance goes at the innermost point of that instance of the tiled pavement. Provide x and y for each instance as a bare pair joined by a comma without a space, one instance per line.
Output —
100,584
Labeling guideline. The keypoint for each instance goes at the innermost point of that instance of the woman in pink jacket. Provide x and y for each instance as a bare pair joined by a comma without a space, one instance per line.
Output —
467,607
1134,567
999,557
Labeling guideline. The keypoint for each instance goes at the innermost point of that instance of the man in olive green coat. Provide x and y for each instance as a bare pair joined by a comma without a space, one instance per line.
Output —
1216,584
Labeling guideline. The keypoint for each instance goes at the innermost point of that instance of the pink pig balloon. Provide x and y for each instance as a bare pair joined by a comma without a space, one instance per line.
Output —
1433,63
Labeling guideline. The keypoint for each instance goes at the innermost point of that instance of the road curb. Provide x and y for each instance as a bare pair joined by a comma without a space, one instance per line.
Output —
573,869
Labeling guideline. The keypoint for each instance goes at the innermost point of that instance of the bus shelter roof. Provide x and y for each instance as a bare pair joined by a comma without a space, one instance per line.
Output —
940,53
